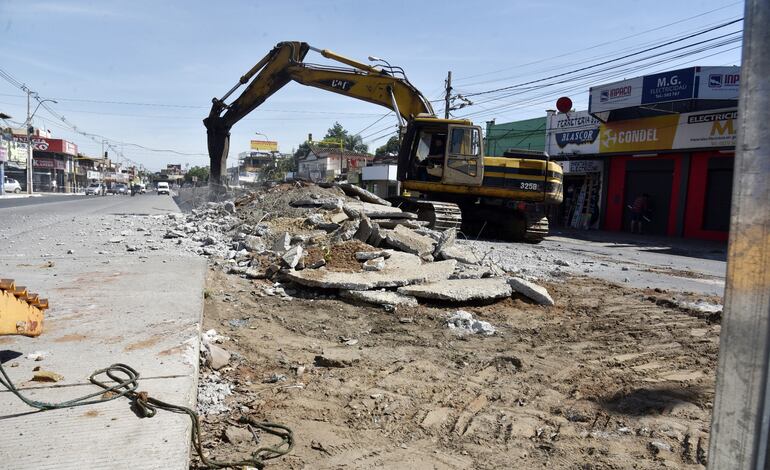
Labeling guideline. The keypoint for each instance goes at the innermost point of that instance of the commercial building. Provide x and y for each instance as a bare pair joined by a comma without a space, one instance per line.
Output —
670,136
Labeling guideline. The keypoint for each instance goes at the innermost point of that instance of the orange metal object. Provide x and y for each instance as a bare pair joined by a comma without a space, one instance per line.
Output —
21,312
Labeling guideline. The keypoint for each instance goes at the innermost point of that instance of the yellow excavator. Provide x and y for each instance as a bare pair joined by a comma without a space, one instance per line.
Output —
445,178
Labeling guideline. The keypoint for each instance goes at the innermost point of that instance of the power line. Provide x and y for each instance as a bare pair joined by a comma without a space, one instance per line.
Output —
606,61
618,68
641,33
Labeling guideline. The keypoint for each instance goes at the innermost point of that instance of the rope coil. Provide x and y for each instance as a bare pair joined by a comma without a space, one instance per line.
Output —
126,383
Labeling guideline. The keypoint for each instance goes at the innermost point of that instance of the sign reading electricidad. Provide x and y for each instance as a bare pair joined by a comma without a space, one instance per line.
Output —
668,86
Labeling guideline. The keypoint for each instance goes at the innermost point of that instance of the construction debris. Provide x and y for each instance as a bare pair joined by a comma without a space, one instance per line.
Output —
379,297
530,290
328,237
460,290
463,323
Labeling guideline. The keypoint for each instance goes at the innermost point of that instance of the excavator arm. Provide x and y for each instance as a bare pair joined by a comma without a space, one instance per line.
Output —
388,88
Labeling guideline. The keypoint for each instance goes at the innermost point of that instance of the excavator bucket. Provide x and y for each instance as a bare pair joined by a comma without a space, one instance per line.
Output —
21,311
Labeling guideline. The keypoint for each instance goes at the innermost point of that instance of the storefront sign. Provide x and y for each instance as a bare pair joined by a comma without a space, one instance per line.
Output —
581,166
572,133
623,94
264,145
93,175
638,135
668,86
48,163
719,83
44,144
707,129
709,83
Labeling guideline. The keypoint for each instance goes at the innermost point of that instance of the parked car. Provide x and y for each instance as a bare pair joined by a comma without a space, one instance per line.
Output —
163,188
10,185
95,189
121,188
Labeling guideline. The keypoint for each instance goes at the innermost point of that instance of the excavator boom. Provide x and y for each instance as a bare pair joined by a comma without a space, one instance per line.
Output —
285,63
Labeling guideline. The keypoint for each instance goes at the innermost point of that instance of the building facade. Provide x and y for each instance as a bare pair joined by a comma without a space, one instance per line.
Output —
329,164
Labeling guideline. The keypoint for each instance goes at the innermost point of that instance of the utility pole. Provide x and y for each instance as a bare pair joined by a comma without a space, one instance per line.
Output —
448,85
27,123
741,417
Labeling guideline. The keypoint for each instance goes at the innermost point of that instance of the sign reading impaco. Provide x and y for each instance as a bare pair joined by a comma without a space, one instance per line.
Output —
264,145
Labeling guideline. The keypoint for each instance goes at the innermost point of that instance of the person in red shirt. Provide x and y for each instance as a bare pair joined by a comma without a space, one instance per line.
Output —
639,211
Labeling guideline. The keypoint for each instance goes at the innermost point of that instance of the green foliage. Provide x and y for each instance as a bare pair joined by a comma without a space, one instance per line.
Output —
202,172
390,147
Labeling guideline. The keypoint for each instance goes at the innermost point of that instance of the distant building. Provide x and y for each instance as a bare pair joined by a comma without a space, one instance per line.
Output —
327,164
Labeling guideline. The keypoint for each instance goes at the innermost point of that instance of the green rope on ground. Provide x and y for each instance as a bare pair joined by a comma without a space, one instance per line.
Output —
126,381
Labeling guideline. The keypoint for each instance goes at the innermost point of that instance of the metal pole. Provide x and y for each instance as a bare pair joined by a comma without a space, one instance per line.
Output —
29,146
448,94
741,419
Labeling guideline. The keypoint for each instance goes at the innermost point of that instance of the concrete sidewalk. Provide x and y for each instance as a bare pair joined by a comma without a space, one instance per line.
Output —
141,310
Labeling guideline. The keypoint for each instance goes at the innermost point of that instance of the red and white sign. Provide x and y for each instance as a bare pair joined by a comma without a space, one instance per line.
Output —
44,144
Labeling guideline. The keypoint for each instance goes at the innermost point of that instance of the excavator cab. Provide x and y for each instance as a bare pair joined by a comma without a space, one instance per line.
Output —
442,151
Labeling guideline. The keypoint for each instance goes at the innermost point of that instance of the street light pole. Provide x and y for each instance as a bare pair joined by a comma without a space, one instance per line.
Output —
29,144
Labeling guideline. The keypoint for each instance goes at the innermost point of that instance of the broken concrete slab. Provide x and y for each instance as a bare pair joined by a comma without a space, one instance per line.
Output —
376,238
282,243
325,203
338,217
531,290
402,269
254,243
408,223
364,195
379,297
472,271
292,256
447,240
461,290
376,211
406,240
367,255
217,357
459,253
364,230
376,264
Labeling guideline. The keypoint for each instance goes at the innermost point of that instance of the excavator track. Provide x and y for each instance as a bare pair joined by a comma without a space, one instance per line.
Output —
21,311
536,230
439,215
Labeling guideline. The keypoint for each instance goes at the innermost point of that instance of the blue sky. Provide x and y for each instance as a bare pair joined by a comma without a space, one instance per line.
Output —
172,57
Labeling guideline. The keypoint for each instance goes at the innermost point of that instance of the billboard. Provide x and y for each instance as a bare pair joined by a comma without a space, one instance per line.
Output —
264,145
709,83
44,144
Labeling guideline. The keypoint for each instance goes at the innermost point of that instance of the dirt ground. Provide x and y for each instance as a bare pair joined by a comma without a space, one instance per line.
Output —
609,378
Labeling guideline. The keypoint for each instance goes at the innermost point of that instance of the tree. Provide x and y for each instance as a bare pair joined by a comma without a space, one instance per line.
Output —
337,133
202,172
390,147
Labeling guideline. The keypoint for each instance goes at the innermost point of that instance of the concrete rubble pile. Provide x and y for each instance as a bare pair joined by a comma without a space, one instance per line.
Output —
311,239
